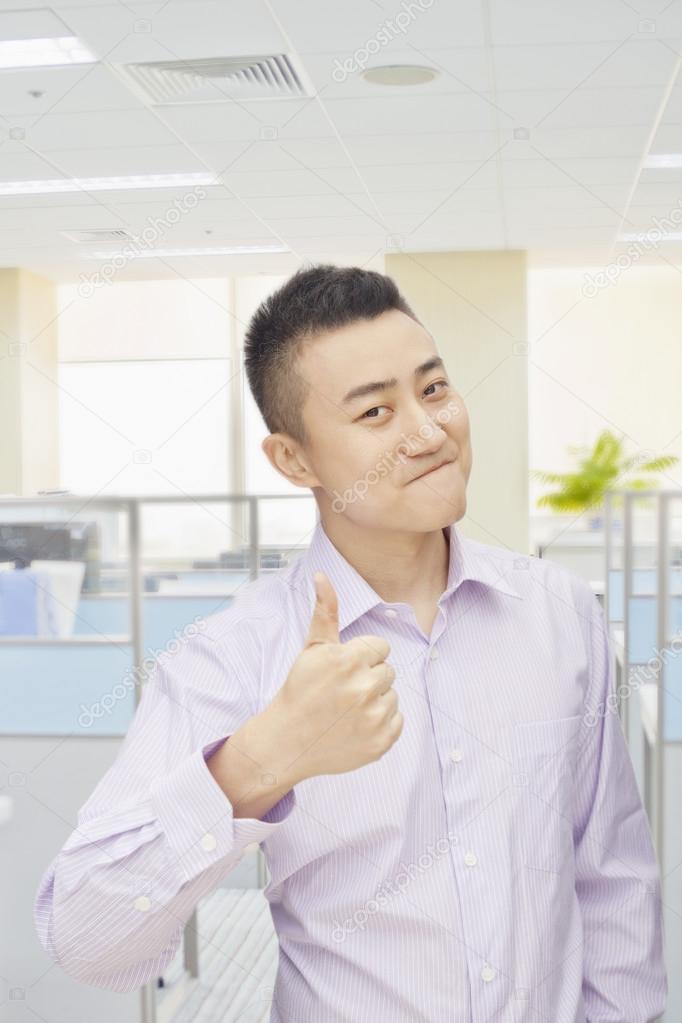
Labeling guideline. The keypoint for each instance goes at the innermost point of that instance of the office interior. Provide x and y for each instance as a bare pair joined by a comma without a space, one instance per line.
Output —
164,166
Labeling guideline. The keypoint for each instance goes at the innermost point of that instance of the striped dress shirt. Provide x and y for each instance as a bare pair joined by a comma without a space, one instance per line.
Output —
495,865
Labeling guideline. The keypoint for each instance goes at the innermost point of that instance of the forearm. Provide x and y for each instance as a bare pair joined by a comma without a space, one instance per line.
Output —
116,922
110,909
254,767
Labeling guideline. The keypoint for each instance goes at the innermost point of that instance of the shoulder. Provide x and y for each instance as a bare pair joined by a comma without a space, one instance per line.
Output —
260,610
541,580
223,654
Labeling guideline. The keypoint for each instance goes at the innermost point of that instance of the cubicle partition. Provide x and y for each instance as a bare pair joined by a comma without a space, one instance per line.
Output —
643,605
92,589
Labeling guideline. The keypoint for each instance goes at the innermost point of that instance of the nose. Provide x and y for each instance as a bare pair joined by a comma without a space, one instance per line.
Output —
425,435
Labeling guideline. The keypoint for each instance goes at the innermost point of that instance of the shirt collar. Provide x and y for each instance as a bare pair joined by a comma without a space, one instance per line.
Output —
467,560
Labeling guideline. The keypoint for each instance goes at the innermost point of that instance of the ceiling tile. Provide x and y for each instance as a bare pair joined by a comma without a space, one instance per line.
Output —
357,24
407,114
63,90
106,129
554,21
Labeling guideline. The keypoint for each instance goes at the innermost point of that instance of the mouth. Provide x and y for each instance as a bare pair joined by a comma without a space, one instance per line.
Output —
435,468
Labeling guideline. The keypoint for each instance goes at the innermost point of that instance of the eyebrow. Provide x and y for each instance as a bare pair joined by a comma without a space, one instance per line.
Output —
362,390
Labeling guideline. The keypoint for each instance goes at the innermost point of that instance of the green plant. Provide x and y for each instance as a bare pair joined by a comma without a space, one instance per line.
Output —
600,469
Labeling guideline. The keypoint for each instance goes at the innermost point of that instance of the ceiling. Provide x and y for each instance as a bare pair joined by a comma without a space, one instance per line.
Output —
532,135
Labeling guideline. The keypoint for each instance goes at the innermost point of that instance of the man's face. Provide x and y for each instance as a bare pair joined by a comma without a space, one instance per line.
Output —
366,450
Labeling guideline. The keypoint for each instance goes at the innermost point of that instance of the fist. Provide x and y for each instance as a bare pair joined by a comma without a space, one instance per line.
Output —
336,710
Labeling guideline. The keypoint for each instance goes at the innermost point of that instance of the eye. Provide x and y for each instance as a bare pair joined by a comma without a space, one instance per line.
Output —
367,414
435,383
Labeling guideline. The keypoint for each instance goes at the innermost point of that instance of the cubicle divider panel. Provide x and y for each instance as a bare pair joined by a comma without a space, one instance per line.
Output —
66,689
643,642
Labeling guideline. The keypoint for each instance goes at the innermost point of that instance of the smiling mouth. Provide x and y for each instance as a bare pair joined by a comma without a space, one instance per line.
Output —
430,471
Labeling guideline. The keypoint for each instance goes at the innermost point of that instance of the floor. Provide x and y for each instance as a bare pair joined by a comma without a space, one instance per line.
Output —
237,961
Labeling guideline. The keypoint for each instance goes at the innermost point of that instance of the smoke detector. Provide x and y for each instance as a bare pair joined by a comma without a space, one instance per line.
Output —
400,74
215,79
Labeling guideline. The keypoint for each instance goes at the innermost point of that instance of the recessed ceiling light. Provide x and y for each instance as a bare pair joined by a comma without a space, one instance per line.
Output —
663,160
105,184
16,53
226,250
648,236
399,74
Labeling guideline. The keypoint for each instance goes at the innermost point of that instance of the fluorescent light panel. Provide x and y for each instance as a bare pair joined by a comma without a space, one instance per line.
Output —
225,250
663,160
106,184
17,53
644,236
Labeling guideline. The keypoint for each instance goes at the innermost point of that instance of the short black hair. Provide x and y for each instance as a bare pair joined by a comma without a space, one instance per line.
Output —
314,299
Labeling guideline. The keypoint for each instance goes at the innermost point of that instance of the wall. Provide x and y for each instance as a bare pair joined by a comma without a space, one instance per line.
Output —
610,361
474,305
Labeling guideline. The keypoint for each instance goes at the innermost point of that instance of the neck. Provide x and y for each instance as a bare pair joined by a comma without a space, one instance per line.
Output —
401,567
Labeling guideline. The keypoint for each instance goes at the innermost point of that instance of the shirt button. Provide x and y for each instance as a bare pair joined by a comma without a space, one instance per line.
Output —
142,903
470,859
208,842
487,973
252,847
433,654
456,755
390,612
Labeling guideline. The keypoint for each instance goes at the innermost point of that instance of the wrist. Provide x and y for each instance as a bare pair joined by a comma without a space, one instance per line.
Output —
266,739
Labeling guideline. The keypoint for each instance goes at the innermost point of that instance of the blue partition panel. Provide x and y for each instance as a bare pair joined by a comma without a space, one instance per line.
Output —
102,616
110,616
644,582
644,626
161,616
672,698
63,689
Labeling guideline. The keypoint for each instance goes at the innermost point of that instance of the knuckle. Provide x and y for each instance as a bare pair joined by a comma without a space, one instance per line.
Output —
374,644
335,655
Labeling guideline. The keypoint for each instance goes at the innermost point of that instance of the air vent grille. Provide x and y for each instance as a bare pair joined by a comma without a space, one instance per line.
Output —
102,234
215,79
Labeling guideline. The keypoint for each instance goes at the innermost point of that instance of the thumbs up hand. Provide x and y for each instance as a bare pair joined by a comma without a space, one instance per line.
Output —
336,711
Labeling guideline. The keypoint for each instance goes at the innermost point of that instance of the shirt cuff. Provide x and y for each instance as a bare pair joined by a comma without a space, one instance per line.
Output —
197,818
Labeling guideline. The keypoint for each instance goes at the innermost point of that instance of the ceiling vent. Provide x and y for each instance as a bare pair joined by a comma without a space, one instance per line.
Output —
98,235
216,79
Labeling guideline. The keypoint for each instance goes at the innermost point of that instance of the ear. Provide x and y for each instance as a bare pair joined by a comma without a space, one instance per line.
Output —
288,458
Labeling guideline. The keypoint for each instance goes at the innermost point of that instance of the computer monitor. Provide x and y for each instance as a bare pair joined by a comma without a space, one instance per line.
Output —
23,542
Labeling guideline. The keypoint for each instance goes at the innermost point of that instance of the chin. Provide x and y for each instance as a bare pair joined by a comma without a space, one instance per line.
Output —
435,514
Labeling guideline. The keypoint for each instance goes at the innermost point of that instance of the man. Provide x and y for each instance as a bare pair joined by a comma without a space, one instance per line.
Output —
413,725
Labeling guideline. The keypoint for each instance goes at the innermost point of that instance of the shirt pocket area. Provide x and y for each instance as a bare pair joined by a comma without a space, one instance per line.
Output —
544,764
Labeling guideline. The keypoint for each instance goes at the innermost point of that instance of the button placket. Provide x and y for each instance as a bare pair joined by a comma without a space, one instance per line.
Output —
472,875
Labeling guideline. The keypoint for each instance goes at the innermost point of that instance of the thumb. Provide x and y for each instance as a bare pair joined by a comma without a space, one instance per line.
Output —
324,624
